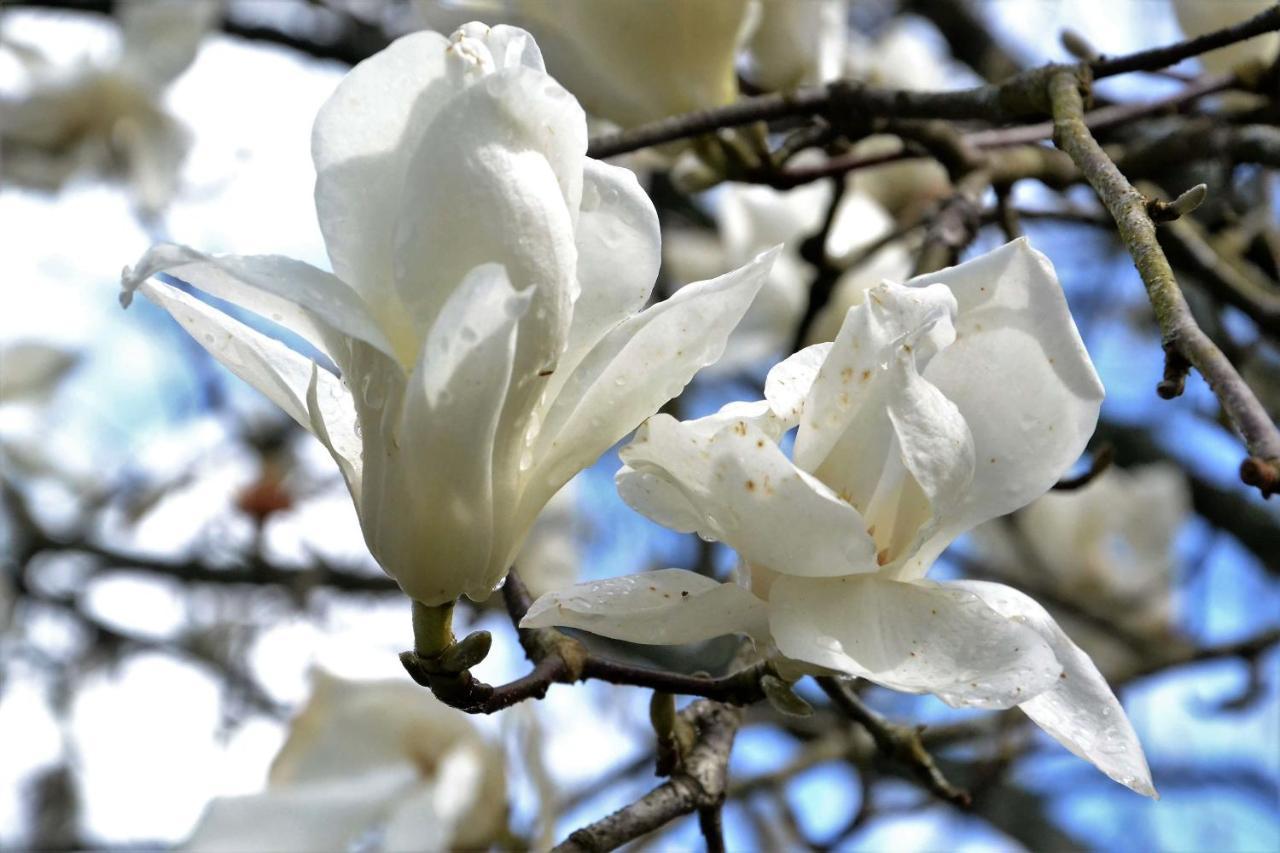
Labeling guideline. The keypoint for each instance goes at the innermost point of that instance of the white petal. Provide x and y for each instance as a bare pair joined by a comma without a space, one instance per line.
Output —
663,607
311,303
361,144
675,458
727,478
798,43
789,382
1080,711
636,368
916,637
1022,380
873,430
619,251
428,502
161,39
268,365
496,178
333,420
317,816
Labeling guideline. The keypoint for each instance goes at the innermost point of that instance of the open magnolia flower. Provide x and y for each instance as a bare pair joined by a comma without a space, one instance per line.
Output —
1106,546
109,119
945,402
364,760
482,314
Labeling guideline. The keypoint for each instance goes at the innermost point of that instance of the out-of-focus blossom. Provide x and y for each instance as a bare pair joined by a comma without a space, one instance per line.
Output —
108,119
1197,17
627,62
797,43
1107,546
551,556
485,308
749,220
30,371
368,762
941,404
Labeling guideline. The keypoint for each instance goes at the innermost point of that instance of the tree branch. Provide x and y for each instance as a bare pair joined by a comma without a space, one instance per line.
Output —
699,784
1183,339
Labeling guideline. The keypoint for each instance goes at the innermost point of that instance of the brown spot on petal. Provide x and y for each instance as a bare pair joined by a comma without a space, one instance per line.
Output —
751,485
882,557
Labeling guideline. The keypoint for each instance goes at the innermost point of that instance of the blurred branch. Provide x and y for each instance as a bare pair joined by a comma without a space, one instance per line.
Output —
332,35
1185,343
897,742
846,104
969,37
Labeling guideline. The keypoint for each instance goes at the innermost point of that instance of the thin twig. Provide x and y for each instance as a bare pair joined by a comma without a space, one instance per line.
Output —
897,742
1182,337
699,783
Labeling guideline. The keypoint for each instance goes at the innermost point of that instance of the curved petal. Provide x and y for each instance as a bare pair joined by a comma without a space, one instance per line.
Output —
428,502
361,143
1022,380
281,374
789,381
335,423
735,485
619,251
496,178
872,429
1079,711
663,607
915,637
636,368
311,303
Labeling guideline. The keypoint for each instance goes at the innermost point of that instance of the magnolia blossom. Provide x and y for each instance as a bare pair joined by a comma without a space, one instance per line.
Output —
551,554
634,62
1197,17
1106,546
484,310
945,402
797,44
751,219
109,119
368,759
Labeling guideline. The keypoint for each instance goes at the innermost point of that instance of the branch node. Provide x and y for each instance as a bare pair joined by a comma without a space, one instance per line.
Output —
1263,474
1176,369
1167,211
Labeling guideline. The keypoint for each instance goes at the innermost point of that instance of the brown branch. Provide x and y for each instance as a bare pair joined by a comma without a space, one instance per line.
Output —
847,104
899,743
1182,337
698,785
560,659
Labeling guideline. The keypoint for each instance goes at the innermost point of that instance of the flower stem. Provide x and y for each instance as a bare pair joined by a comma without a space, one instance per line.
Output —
432,628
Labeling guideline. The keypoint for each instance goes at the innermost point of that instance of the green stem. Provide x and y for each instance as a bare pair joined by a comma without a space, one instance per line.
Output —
432,628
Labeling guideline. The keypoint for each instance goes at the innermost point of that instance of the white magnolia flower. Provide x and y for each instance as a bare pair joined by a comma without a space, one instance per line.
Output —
797,44
1107,546
956,398
751,219
30,371
366,760
109,120
482,314
1197,17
